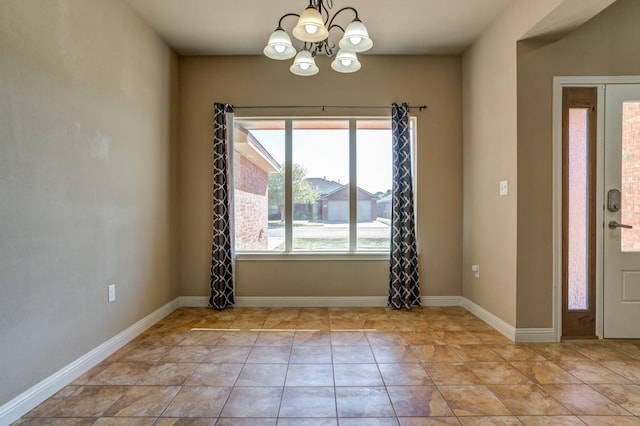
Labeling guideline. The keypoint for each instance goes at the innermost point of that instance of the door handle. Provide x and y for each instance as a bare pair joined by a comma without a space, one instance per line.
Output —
613,225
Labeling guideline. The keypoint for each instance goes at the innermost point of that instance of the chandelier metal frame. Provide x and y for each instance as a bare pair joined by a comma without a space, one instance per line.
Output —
313,29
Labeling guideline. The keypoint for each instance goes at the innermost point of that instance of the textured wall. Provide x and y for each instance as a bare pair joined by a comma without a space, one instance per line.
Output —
600,47
88,98
490,156
248,80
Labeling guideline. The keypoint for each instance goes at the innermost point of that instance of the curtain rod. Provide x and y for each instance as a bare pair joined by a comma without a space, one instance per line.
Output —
323,107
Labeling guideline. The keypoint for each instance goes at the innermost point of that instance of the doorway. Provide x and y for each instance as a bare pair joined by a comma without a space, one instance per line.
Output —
606,112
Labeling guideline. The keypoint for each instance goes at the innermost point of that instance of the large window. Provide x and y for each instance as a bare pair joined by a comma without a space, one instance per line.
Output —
312,185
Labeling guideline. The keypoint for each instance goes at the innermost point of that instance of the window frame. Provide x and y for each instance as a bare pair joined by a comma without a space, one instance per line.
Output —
288,253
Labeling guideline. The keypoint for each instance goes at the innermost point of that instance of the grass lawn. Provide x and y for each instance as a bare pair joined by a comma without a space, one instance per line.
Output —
276,224
312,244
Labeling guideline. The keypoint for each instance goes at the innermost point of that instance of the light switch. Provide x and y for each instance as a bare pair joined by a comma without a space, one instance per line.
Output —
504,187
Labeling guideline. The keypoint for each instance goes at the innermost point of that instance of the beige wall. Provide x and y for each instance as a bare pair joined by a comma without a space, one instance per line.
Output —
606,45
490,155
382,80
88,98
91,195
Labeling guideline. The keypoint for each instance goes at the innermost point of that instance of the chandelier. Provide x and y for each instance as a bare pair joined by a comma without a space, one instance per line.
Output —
314,29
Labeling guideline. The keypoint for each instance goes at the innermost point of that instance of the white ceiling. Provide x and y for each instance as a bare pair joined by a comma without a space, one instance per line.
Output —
242,27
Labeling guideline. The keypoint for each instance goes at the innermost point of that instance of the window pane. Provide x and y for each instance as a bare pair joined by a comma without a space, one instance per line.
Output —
578,247
318,205
630,176
320,187
258,185
373,165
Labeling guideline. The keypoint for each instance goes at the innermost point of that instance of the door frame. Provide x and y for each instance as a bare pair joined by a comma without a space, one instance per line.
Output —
560,82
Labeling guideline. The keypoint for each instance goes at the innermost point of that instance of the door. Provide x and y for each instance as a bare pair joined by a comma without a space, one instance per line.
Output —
364,211
621,298
338,211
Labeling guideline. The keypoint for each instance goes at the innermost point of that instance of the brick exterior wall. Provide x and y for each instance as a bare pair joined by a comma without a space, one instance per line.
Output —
631,175
250,204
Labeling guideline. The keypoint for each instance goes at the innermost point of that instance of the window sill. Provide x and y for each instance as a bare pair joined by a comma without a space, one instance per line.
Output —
314,256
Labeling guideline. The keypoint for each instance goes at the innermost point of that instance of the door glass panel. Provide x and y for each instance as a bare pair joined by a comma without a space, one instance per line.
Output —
630,211
320,187
578,247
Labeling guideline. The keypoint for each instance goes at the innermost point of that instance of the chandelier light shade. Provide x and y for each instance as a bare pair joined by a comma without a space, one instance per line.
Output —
310,26
304,64
346,62
356,38
315,29
279,46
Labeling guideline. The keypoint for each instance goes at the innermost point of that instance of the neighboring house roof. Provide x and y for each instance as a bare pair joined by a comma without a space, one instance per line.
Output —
255,143
247,145
386,199
326,188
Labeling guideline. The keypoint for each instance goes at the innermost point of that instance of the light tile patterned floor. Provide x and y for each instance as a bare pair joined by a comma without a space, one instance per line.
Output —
347,366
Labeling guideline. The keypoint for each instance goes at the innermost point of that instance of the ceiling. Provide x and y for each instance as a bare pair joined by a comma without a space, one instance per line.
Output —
242,27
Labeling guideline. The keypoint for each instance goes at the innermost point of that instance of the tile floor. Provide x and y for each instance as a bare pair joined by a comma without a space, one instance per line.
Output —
347,366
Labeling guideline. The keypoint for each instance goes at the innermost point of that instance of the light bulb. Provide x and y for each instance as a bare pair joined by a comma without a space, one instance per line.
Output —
356,37
304,66
279,48
346,62
311,29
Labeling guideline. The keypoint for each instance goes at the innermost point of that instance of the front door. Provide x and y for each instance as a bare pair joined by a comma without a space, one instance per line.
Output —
622,212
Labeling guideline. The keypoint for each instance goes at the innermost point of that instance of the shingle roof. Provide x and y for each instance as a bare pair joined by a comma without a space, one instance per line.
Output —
324,186
385,199
328,187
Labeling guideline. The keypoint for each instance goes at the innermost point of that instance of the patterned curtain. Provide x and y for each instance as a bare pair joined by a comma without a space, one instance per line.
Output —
221,278
404,287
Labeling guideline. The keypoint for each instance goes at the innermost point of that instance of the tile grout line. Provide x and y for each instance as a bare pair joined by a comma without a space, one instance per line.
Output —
544,351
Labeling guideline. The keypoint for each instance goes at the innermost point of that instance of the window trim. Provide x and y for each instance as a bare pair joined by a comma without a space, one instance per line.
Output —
323,255
311,255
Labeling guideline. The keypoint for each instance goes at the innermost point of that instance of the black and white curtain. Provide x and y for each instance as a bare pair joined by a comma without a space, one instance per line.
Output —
221,278
404,287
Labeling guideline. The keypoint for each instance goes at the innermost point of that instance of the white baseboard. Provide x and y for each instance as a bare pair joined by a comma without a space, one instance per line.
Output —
193,301
535,335
441,301
322,302
500,325
517,335
307,302
32,397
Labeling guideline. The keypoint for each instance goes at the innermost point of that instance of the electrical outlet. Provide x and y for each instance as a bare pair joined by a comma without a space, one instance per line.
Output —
112,293
476,270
